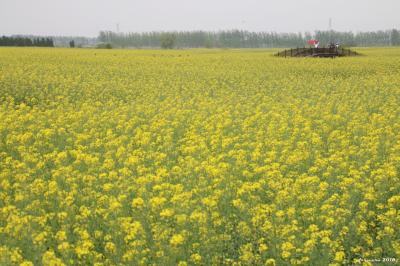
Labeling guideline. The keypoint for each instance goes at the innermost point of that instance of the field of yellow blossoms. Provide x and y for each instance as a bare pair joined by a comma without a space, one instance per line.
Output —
198,157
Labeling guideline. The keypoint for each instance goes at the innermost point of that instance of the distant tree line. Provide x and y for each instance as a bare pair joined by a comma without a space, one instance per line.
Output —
208,39
78,41
58,41
363,39
25,41
246,39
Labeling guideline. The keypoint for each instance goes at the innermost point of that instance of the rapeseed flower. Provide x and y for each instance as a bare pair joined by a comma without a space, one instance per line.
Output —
129,157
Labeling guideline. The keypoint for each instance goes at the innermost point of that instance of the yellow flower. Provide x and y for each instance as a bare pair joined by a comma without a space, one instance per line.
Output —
139,157
84,248
285,254
177,240
61,236
339,256
196,258
263,247
270,262
40,238
110,247
157,202
167,213
137,203
64,246
26,263
50,259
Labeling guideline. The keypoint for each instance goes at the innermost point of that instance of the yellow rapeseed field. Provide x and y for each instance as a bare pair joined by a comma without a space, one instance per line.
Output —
198,157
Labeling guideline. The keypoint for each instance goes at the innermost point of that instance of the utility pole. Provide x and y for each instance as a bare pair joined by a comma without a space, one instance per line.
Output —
330,30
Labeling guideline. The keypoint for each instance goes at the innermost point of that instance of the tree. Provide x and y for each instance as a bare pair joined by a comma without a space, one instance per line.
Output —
243,39
72,44
395,37
104,46
49,42
167,40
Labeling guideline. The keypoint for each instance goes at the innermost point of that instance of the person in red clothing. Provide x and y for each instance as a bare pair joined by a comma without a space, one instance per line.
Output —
314,42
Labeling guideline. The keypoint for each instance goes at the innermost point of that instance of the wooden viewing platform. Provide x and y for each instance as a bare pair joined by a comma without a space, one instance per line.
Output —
317,52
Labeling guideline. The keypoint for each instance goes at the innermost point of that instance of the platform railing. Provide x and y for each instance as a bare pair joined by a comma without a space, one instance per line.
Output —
304,52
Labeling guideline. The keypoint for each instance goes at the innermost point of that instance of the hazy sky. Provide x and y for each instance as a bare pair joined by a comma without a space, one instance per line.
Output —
88,17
